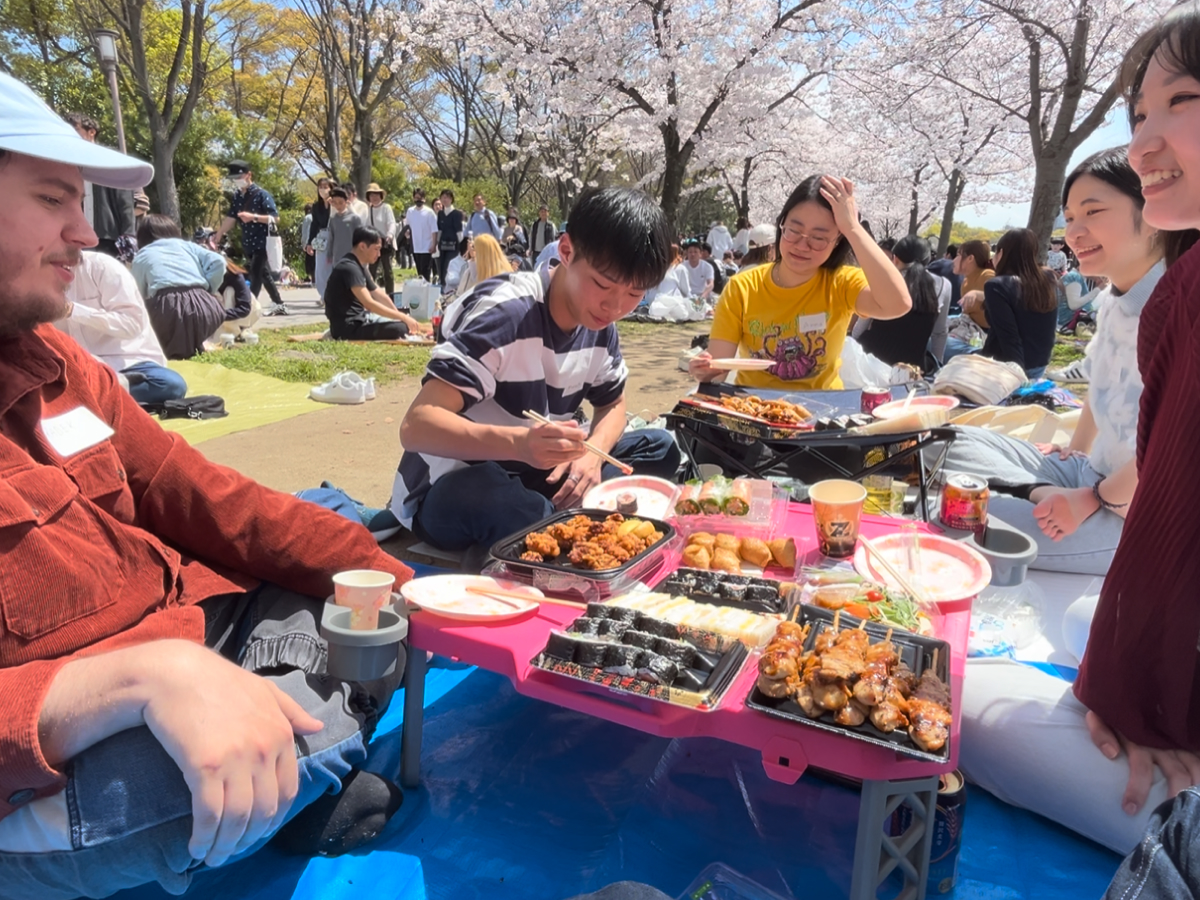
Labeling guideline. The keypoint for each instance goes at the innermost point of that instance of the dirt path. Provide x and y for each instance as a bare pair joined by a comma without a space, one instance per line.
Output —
358,447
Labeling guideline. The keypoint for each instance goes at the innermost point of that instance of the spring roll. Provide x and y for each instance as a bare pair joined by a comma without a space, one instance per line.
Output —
685,504
712,495
737,500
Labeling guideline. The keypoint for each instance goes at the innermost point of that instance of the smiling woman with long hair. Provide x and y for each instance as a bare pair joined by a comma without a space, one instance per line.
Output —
1021,305
796,311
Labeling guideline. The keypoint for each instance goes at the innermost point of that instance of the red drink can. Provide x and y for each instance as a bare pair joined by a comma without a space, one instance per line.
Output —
965,503
436,322
873,397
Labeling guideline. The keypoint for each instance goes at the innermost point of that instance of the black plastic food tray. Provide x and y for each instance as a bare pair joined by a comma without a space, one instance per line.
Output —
915,650
509,549
677,584
715,683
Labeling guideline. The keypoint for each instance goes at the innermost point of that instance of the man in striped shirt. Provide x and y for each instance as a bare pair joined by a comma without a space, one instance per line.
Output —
474,468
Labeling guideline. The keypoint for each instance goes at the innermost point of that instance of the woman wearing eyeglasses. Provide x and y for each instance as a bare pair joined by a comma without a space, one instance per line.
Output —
796,311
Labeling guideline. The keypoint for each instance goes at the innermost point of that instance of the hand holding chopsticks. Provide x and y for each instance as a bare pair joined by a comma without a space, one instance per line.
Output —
591,448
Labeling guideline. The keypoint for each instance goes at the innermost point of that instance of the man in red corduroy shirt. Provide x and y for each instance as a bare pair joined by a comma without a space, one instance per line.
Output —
163,702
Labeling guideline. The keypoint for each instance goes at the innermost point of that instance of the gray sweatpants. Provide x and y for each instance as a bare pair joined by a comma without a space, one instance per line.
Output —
1006,460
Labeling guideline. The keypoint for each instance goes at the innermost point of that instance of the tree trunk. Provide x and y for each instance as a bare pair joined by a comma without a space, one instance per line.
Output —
675,160
957,183
164,175
1050,173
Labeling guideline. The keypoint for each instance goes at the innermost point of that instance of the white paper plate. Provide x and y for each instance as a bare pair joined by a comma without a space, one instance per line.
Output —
740,363
895,408
654,495
446,596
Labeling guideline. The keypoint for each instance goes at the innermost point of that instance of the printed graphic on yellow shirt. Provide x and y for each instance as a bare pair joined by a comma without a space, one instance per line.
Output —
796,356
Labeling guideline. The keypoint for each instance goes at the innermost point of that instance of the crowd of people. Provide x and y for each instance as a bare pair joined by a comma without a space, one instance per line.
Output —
161,613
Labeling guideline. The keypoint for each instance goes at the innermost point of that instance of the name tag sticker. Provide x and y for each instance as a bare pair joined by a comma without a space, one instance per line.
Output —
815,322
74,431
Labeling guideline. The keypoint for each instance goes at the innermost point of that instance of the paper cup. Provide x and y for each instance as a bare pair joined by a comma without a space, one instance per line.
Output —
364,592
837,511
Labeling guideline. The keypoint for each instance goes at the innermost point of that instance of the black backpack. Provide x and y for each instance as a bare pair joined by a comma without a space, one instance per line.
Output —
202,406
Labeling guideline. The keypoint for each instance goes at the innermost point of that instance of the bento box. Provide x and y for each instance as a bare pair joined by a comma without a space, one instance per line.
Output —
707,405
636,654
557,575
918,653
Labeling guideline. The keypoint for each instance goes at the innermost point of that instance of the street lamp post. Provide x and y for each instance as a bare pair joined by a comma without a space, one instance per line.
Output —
106,49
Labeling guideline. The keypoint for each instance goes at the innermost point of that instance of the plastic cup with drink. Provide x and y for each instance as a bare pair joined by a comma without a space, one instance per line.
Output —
837,511
364,592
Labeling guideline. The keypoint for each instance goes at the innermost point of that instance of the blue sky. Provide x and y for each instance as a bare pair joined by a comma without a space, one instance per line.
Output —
1001,215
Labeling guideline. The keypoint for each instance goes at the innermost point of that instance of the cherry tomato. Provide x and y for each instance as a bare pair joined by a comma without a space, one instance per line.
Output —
874,596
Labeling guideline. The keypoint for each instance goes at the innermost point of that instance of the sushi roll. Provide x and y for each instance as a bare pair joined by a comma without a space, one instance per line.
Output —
659,670
731,592
683,581
706,583
703,661
640,639
761,593
622,614
613,628
597,611
561,646
590,653
689,680
619,658
586,625
676,651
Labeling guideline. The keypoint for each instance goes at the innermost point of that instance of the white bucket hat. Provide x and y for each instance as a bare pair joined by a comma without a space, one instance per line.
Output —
30,127
762,236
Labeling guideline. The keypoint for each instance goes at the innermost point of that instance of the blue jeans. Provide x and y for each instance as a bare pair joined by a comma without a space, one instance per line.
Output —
1167,862
482,503
156,384
130,809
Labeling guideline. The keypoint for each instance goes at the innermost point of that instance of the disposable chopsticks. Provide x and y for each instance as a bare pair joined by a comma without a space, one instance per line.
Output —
500,593
891,570
627,469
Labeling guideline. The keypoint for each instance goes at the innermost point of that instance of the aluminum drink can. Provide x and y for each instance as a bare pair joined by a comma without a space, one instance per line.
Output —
947,833
965,503
873,397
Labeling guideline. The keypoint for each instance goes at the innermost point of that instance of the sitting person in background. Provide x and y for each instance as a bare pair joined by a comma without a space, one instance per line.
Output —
474,467
106,316
512,239
1020,305
177,278
1050,491
762,240
163,688
358,310
674,283
908,338
242,309
488,262
797,310
457,267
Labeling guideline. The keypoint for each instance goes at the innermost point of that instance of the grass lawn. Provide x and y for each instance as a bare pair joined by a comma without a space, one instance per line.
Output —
1066,351
317,361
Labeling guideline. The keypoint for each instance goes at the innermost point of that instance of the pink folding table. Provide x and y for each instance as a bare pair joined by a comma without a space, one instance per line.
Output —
787,748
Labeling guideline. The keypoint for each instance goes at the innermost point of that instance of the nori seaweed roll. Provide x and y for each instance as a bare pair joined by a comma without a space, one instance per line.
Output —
732,592
684,581
706,583
646,623
762,593
620,658
622,614
658,669
586,625
676,651
613,628
597,611
590,653
704,661
689,680
640,639
561,646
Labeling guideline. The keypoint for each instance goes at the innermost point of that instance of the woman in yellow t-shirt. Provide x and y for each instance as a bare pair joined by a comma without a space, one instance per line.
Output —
796,312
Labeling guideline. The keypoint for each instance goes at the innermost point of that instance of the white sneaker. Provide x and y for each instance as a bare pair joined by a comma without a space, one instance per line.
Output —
341,389
367,383
1072,374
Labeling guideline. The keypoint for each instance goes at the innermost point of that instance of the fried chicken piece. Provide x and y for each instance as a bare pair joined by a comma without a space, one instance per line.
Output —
589,555
541,543
531,556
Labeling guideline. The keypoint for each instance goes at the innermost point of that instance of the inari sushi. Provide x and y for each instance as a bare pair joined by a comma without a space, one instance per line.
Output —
561,646
737,500
686,504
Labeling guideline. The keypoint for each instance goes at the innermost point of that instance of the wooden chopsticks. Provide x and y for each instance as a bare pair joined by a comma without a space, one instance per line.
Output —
904,583
592,448
500,593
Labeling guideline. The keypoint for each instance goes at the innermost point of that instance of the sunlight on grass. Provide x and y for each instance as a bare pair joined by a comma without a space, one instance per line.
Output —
316,361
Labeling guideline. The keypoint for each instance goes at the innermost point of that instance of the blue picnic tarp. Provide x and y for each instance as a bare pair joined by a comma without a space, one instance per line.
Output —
522,800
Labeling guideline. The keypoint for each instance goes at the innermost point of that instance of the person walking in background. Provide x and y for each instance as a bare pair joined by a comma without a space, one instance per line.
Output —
719,240
483,220
177,279
382,219
451,225
255,209
318,234
512,239
106,316
741,240
422,222
542,233
343,222
357,206
109,210
305,237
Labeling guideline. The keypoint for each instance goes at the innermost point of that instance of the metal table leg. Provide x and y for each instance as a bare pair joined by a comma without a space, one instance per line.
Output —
414,718
877,853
